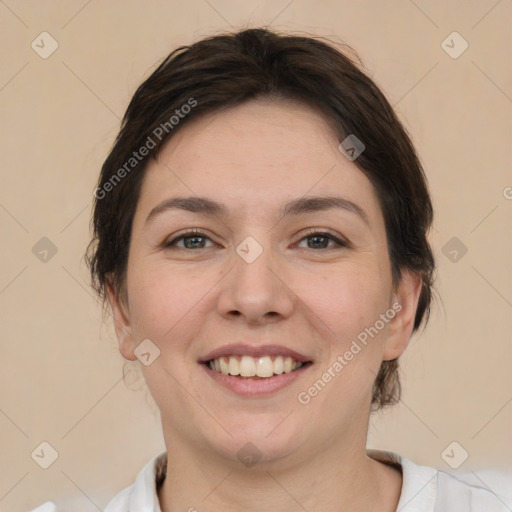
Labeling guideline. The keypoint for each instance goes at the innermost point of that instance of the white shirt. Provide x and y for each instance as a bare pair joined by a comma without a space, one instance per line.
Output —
424,489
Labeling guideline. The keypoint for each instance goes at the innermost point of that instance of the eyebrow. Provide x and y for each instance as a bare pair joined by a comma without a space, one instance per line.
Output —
304,205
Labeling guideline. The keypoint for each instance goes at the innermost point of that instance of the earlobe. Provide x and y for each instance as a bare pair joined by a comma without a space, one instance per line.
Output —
122,323
400,328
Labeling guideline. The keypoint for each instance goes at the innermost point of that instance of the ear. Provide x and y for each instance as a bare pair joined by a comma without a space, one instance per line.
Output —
405,303
121,316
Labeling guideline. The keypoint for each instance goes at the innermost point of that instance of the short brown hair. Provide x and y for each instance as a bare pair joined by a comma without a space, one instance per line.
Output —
228,69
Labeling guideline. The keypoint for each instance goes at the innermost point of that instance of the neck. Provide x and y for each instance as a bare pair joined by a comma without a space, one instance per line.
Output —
333,479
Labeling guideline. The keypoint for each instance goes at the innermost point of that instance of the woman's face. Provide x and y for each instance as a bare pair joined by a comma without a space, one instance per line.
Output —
258,275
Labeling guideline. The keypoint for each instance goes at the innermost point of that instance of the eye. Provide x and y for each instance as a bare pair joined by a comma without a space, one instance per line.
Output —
192,240
320,239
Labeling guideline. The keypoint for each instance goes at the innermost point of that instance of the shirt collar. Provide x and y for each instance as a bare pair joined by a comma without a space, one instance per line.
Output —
144,497
418,487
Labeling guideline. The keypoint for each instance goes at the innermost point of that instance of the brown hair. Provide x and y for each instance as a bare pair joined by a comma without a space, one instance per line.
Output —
228,69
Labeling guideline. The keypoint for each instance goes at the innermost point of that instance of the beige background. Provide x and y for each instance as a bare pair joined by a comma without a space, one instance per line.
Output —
61,375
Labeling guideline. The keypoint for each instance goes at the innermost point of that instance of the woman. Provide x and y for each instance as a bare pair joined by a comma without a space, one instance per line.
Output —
261,237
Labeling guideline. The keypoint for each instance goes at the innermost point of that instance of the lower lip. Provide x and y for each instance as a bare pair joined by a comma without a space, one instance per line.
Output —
255,387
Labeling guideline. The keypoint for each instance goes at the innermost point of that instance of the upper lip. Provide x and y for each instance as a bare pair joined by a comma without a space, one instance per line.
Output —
241,349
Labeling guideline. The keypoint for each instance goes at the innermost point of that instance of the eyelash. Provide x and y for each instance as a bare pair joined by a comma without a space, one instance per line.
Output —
196,232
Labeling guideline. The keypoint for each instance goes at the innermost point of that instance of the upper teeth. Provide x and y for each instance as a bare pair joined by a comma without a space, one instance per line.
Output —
248,366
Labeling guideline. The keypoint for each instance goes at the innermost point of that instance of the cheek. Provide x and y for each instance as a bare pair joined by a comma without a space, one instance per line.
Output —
164,299
346,300
154,305
350,303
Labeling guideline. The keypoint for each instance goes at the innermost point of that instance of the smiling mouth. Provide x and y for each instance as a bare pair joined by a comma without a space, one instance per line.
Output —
247,367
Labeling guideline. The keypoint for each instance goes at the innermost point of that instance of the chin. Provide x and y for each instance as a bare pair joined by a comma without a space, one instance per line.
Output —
266,443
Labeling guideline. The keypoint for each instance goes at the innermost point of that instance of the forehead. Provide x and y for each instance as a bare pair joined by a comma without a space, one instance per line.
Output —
255,157
259,131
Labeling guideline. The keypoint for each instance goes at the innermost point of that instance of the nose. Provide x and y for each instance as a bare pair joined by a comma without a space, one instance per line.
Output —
256,290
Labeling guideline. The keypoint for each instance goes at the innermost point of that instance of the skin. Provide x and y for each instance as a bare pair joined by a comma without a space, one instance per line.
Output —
312,298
